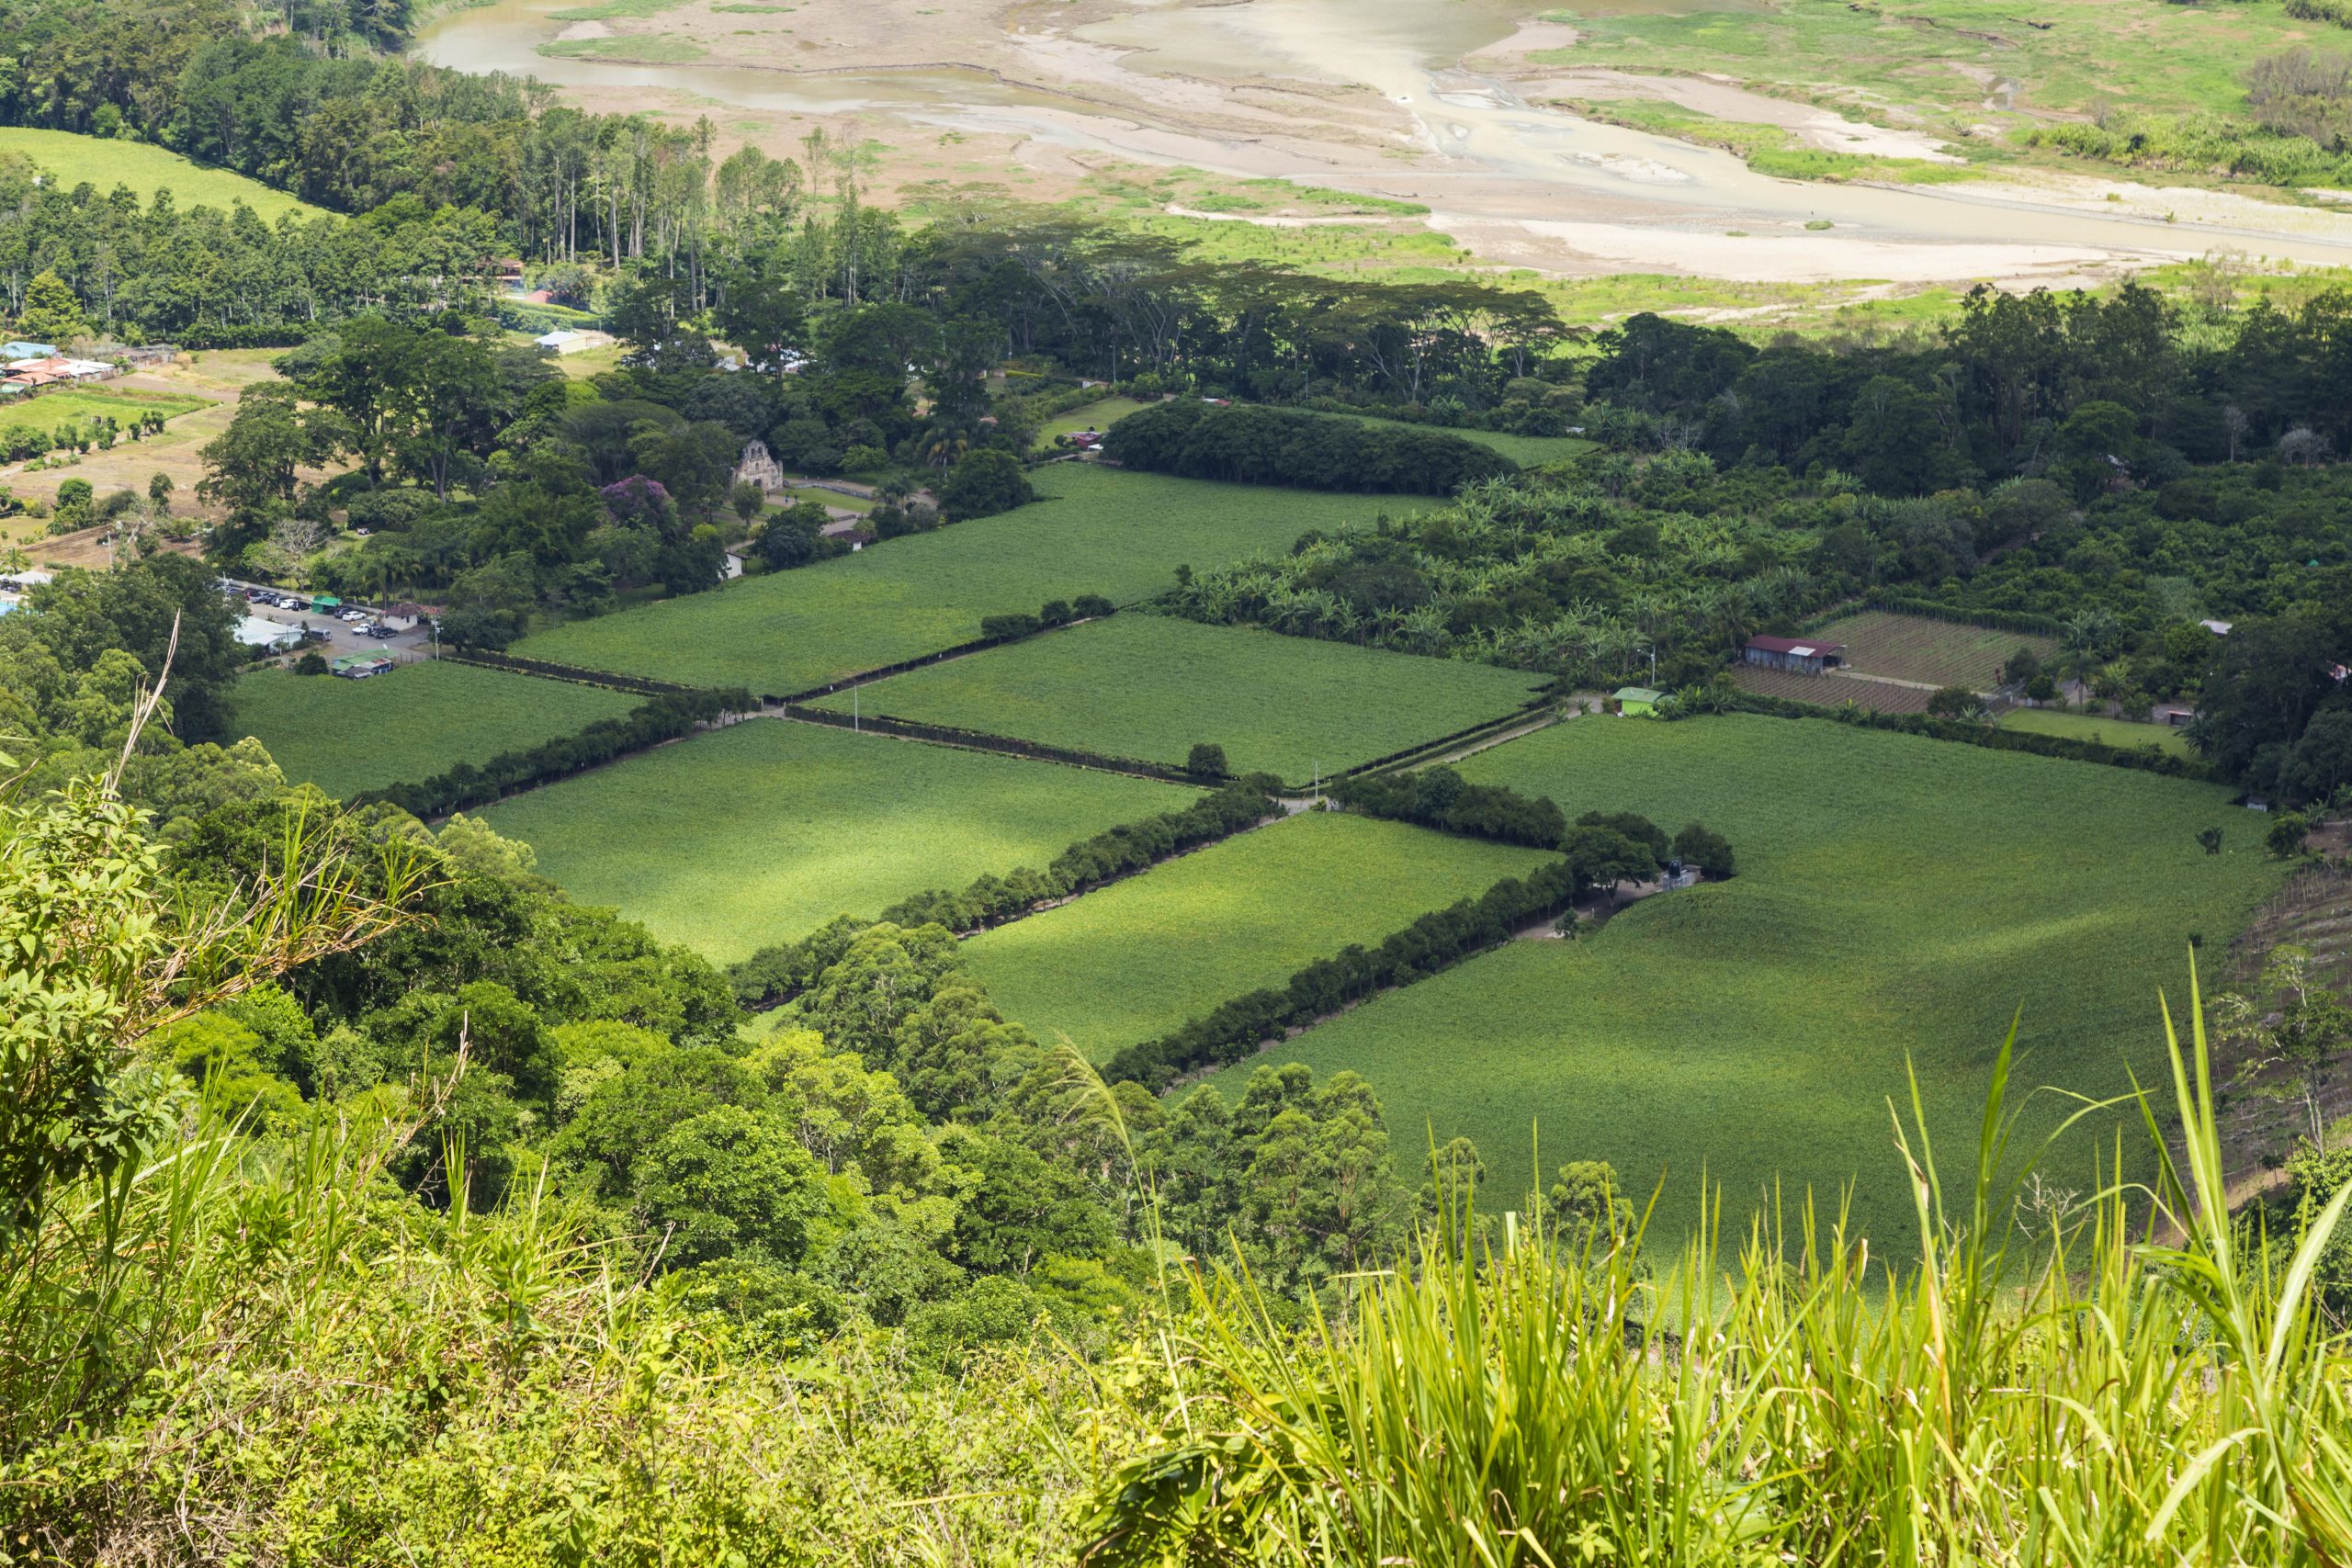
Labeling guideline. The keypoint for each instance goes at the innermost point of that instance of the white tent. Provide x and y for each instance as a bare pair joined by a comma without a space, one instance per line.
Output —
256,632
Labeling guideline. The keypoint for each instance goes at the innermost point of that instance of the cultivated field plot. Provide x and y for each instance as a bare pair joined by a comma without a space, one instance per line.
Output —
104,162
1138,958
1898,897
2109,731
405,726
1149,687
764,831
1831,690
1101,531
1942,653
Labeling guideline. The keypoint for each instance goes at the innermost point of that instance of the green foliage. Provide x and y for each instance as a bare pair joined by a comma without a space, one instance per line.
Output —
1098,531
1559,1402
1285,446
1149,687
984,484
419,720
863,822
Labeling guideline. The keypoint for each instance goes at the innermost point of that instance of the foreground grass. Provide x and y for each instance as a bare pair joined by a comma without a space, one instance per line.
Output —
420,720
2109,731
1898,898
1139,958
2002,1381
760,832
1149,687
102,164
1098,531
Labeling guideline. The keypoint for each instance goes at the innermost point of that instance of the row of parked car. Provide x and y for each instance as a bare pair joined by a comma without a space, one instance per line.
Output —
362,621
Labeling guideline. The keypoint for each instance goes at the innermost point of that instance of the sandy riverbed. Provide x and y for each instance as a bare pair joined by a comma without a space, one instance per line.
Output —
1434,103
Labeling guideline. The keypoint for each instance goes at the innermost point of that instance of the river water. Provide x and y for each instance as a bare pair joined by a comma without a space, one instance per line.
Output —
1487,160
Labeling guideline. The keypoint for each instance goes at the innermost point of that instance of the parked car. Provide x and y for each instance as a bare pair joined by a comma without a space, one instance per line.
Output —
378,632
353,615
261,595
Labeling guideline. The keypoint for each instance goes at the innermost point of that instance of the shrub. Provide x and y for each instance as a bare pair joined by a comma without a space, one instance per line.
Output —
310,663
1205,761
1704,847
987,482
1009,628
1092,606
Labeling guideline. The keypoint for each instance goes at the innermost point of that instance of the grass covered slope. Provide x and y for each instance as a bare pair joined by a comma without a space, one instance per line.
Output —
1097,531
2107,731
760,832
422,719
1149,687
1896,896
104,163
1139,958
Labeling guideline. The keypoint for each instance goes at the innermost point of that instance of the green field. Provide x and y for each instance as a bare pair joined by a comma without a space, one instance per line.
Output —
1147,687
105,164
1100,531
405,726
763,832
2111,731
79,405
1139,957
1527,451
1099,415
1897,895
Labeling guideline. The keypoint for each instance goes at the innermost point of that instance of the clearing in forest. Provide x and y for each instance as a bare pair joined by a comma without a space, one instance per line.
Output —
1898,897
405,726
1132,960
1150,687
2165,737
1917,648
104,161
1097,531
763,832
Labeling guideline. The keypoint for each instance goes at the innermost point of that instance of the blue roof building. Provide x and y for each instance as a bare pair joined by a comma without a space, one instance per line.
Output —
21,350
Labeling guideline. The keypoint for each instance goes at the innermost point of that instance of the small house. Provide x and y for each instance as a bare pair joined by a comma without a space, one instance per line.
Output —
2173,714
360,666
1804,656
403,615
2219,628
1636,702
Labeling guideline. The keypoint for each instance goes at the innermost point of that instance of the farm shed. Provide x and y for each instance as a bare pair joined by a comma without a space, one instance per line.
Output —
2173,714
1636,702
1803,656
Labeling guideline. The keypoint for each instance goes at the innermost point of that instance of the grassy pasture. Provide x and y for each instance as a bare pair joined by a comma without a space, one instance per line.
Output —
1917,648
79,405
1099,415
2084,727
104,164
419,720
1139,957
1098,531
1898,896
1527,451
763,832
1147,687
